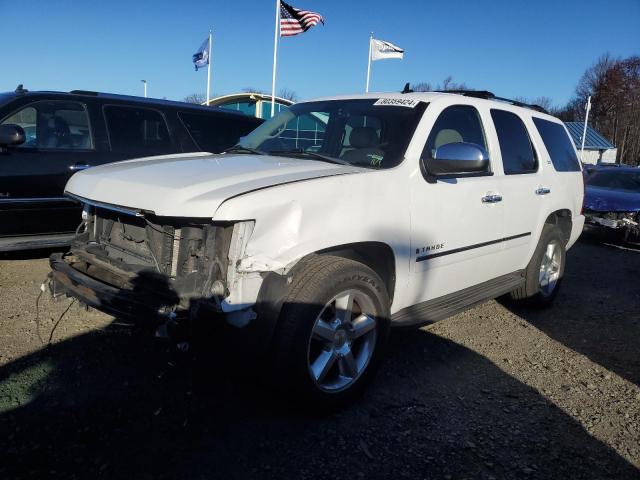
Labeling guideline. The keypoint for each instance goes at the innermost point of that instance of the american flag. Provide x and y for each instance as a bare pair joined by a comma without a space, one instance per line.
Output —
294,21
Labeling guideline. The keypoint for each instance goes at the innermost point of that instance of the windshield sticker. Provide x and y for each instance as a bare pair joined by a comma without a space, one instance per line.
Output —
397,102
376,160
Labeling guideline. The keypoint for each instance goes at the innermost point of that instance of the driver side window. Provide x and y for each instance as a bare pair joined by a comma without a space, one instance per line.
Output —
25,118
53,125
456,124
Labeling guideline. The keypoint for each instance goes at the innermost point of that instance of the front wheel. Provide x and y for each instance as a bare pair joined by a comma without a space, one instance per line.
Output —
331,331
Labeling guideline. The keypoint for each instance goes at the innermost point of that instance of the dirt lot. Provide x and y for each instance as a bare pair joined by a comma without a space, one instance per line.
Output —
497,392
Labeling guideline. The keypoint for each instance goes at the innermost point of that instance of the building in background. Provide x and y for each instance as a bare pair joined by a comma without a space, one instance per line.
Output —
597,149
251,103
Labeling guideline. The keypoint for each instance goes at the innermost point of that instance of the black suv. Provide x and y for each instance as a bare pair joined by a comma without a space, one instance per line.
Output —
47,136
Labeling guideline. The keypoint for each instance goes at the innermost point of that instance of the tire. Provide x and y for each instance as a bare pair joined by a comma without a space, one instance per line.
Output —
323,357
538,291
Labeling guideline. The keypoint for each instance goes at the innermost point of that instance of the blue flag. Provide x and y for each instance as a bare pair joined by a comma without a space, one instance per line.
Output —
201,57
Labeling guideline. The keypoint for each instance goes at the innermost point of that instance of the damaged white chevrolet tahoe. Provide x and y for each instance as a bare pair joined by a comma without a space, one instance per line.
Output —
331,222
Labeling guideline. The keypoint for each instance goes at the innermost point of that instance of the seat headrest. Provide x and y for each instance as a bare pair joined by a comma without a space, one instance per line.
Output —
363,137
447,135
58,125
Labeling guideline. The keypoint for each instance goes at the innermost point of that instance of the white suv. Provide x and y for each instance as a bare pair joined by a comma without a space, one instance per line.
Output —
331,222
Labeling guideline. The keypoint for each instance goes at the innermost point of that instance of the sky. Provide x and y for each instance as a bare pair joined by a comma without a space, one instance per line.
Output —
513,48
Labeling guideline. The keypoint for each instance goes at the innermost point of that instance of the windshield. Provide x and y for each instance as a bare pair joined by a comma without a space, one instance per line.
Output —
628,181
366,133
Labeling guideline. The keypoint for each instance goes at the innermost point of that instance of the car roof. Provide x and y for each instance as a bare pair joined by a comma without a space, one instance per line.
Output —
471,97
122,98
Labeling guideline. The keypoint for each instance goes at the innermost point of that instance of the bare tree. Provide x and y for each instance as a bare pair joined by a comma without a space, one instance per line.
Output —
198,98
422,87
570,112
288,94
614,87
542,101
253,90
447,84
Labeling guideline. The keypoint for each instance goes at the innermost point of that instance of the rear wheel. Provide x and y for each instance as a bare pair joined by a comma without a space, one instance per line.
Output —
331,331
544,273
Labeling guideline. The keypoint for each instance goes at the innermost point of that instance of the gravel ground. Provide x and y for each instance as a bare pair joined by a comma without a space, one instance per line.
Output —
499,391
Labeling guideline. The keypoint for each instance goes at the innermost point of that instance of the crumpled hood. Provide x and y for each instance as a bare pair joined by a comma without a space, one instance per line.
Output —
607,200
194,184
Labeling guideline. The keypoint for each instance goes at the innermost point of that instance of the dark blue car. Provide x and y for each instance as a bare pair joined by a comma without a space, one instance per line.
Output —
612,200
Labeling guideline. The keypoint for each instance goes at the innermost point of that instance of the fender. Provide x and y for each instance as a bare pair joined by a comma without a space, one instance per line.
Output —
301,219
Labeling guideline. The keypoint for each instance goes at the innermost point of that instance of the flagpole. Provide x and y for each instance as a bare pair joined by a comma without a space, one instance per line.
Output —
369,64
584,132
275,59
209,71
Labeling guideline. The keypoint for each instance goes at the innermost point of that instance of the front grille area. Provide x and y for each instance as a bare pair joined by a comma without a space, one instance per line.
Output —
134,241
179,257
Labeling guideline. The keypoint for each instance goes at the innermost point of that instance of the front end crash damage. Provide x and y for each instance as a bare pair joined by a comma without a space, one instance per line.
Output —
626,224
138,266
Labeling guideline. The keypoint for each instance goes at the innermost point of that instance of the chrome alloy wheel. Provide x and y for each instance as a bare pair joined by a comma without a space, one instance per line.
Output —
550,268
342,341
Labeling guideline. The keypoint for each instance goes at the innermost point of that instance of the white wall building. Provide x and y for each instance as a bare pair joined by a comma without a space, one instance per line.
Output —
597,149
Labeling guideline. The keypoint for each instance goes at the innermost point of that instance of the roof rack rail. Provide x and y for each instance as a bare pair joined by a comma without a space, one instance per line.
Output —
490,96
84,92
472,93
537,108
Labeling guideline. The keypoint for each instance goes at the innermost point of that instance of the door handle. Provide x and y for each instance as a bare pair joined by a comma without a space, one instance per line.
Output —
78,166
492,198
542,191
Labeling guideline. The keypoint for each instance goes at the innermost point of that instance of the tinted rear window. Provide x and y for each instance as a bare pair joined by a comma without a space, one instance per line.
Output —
558,144
215,133
137,131
515,146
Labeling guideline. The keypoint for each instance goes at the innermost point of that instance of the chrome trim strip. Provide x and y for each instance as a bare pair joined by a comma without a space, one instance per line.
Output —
34,200
107,206
471,247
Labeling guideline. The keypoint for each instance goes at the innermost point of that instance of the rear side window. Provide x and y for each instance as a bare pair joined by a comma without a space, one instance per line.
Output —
138,131
558,144
515,145
213,133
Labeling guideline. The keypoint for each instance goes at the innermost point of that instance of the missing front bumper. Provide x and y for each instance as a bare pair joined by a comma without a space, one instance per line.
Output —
145,296
626,225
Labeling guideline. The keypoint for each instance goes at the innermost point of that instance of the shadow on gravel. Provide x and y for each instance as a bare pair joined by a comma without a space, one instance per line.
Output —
111,404
597,312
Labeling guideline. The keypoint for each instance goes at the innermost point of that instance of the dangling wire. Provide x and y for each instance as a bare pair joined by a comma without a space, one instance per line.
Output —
55,326
38,315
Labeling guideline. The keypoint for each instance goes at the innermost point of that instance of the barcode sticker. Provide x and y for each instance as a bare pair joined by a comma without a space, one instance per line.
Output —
397,102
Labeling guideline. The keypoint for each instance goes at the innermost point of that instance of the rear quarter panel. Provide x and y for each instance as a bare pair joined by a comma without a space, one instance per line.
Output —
567,188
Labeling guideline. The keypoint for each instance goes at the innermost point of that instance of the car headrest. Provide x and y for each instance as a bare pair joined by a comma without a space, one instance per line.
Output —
446,136
58,125
363,137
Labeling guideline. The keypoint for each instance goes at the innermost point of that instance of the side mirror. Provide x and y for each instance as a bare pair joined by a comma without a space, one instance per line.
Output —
11,135
458,159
